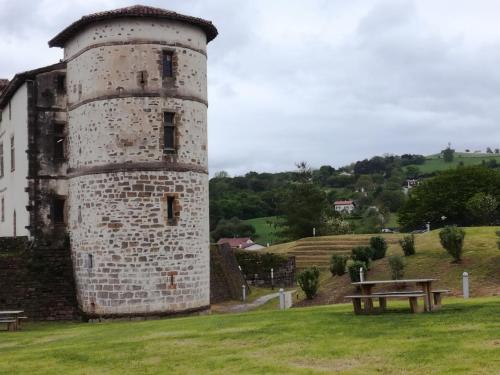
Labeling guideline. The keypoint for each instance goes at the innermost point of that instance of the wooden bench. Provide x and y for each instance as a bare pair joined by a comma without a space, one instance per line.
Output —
11,323
382,298
436,295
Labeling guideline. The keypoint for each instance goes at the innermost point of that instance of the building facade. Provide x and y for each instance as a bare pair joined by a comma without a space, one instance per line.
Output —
124,170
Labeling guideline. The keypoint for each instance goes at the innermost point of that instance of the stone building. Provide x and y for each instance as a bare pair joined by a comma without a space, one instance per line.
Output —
109,146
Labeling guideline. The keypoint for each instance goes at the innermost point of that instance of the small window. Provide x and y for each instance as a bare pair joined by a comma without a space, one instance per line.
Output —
59,148
169,132
2,209
168,64
2,170
12,155
61,84
79,214
90,261
170,208
58,210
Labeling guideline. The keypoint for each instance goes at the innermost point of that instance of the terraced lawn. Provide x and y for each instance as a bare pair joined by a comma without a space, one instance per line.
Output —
463,338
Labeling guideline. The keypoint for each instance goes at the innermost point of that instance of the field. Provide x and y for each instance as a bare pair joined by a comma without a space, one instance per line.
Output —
434,163
463,338
265,229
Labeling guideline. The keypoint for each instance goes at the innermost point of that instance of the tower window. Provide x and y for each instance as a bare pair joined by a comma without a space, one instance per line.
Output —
58,210
168,70
168,132
1,161
90,261
3,209
12,155
170,208
61,84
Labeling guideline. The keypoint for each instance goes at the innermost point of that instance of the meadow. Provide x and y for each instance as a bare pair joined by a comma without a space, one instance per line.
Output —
462,338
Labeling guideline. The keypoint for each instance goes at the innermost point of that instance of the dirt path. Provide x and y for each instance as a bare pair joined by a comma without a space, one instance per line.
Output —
250,306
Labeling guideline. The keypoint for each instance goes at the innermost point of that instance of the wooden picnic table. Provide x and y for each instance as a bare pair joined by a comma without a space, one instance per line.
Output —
15,315
424,284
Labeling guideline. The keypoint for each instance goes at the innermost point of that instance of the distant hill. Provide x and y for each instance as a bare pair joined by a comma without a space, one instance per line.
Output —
435,163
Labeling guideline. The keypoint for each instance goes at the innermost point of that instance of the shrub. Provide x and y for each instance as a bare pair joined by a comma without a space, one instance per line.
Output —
408,245
353,267
337,265
379,247
309,281
452,239
362,254
397,264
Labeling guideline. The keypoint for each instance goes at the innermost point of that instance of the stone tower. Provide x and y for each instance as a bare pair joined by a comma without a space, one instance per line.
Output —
137,149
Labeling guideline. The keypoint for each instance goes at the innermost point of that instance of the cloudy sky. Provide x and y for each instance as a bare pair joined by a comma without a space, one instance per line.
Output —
324,81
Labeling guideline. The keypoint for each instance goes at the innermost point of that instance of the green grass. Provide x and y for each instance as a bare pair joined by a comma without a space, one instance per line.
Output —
266,232
462,338
434,163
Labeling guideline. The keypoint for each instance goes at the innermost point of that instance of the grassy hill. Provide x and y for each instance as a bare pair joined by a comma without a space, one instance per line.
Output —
462,338
265,229
481,259
435,163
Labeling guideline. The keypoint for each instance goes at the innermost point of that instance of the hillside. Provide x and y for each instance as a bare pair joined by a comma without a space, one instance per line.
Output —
481,259
317,251
435,163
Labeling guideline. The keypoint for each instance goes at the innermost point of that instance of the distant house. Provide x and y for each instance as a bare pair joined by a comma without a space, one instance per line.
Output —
253,247
344,206
236,242
410,184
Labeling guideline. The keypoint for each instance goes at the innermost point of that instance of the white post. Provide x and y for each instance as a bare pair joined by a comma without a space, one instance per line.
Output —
361,276
244,292
272,278
428,226
466,284
314,232
282,299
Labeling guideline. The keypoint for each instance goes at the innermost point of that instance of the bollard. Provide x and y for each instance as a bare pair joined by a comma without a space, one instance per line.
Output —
282,299
244,292
466,284
272,279
361,275
314,232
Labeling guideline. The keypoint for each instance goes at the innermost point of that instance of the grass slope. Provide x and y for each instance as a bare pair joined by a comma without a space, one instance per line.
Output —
481,259
463,338
434,163
264,227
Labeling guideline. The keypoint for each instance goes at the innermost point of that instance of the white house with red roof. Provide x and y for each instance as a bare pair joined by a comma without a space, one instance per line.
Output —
237,242
347,206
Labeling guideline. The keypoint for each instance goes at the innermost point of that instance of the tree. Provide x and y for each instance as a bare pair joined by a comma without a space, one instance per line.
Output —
221,174
482,207
393,200
232,228
446,195
412,172
448,154
304,207
489,150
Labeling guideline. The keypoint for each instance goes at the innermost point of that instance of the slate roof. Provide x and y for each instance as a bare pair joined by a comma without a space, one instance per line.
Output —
136,11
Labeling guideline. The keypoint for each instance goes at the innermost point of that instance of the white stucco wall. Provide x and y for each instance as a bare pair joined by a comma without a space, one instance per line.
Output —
13,183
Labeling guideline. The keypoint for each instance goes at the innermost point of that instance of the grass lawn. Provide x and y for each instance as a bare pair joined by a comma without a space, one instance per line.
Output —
434,163
266,232
463,338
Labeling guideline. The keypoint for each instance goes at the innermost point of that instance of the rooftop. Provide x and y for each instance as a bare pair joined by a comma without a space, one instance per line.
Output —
136,11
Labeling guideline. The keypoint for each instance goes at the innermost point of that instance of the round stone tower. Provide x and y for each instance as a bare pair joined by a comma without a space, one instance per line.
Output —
138,174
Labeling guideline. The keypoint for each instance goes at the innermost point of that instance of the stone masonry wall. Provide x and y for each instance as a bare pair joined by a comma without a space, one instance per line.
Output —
142,264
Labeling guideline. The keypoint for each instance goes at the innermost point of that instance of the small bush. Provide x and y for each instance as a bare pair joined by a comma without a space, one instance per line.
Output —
309,281
362,254
337,265
408,245
397,264
379,247
452,239
353,267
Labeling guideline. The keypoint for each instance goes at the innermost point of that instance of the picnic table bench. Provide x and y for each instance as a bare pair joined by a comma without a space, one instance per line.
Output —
432,298
12,318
